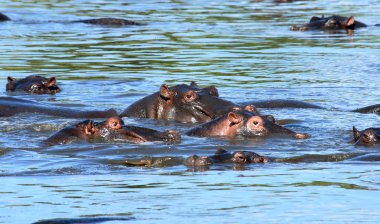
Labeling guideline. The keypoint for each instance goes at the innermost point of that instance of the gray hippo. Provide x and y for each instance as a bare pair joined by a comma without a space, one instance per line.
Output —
34,84
99,21
10,106
334,22
367,137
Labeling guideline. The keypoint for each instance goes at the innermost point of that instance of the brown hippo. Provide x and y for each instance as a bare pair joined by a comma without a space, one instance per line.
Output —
10,106
182,103
367,137
139,134
334,22
85,130
99,21
110,130
240,122
223,156
34,84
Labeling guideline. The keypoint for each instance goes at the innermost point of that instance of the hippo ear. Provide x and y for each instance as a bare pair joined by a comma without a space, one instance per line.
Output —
89,128
314,18
51,82
350,21
220,151
270,118
234,118
250,108
212,90
11,79
356,133
165,92
194,84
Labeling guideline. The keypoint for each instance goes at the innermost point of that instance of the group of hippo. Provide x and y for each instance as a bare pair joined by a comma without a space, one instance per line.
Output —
214,116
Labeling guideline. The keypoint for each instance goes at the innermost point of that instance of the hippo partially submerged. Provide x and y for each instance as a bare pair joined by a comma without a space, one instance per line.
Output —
34,84
223,156
182,103
85,130
367,137
112,129
10,106
99,21
244,123
334,22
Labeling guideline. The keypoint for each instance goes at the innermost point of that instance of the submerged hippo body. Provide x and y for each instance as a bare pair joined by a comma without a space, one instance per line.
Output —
223,156
182,103
10,106
34,84
99,21
334,22
367,137
85,130
242,123
135,134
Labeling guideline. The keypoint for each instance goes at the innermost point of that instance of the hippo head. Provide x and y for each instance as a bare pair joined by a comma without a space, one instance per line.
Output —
105,128
86,129
339,22
195,160
250,124
188,103
331,23
34,85
248,157
368,137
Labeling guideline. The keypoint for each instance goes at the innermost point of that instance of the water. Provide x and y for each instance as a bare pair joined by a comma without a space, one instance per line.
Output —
245,48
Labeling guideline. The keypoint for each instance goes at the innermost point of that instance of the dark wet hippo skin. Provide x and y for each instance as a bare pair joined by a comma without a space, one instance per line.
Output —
85,220
10,106
281,104
135,134
369,109
85,130
278,103
181,103
4,17
223,156
334,22
244,123
108,22
99,21
34,84
367,137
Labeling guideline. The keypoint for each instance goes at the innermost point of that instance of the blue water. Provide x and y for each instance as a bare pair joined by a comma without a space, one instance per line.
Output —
246,49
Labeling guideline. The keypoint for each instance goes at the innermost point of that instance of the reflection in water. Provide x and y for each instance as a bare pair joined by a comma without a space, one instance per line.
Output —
245,48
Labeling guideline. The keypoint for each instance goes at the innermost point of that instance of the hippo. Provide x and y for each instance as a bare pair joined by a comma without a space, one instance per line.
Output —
223,156
110,130
181,103
33,84
10,106
334,22
367,137
98,21
136,134
85,130
244,123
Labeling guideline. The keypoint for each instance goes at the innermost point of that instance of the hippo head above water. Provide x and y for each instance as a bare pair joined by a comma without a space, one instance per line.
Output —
182,103
242,122
334,22
367,137
33,84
